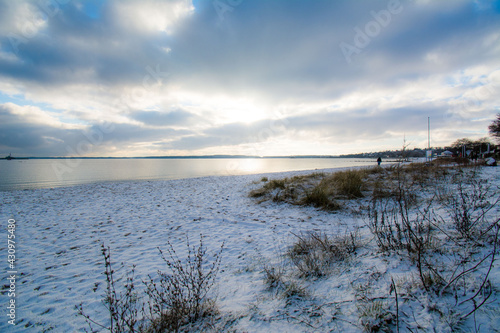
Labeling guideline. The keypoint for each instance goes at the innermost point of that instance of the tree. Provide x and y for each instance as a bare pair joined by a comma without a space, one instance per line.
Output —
495,128
479,145
458,144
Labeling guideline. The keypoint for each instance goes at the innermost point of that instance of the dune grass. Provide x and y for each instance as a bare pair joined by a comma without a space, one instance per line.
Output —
439,223
438,219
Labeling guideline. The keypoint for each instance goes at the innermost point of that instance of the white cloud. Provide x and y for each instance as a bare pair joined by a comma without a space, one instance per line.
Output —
35,115
174,79
151,15
22,18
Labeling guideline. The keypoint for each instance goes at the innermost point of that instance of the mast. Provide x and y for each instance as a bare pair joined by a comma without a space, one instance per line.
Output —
428,154
429,132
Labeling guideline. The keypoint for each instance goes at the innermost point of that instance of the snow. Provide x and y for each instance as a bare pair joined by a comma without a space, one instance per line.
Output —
59,233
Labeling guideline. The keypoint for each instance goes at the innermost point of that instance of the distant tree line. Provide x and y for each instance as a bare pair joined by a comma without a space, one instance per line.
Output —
417,152
479,147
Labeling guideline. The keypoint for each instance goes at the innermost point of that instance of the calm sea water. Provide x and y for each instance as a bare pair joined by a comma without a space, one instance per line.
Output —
35,173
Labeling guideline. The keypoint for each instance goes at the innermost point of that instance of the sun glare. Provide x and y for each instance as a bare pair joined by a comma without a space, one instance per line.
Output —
250,165
239,110
228,109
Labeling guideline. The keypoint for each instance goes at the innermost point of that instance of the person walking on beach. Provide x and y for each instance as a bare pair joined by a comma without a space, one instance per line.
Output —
379,160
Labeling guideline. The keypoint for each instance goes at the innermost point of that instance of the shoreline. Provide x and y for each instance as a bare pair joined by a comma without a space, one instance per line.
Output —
138,181
59,234
60,230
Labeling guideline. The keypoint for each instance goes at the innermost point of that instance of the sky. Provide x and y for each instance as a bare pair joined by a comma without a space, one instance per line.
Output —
244,77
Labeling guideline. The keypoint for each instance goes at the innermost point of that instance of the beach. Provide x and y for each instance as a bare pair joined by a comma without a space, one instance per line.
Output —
59,265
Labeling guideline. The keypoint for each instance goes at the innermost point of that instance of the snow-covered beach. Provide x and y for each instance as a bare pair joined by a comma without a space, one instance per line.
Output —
59,233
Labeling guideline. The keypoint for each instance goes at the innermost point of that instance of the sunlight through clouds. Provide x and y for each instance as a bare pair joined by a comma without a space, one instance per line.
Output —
152,15
260,77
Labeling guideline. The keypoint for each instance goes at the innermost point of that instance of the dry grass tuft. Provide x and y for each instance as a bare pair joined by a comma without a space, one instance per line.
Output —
313,254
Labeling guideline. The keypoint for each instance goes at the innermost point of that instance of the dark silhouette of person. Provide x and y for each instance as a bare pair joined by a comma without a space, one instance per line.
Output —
379,160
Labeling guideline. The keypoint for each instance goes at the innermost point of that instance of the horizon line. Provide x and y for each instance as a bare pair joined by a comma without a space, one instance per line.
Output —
215,156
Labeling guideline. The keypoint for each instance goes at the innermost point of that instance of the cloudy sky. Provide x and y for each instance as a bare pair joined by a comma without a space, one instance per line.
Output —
258,77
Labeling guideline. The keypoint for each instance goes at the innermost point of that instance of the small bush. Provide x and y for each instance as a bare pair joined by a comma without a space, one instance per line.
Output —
277,280
314,253
293,290
469,205
268,187
380,190
122,305
320,197
177,298
277,183
348,183
374,171
317,189
182,296
392,222
345,184
274,276
374,314
376,317
423,174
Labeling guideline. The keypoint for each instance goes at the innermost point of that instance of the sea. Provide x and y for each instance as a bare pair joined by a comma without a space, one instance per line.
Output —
48,173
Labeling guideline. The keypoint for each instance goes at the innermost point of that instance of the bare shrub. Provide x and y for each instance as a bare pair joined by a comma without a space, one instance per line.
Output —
182,296
312,262
469,282
448,250
177,298
469,204
396,229
384,225
122,306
